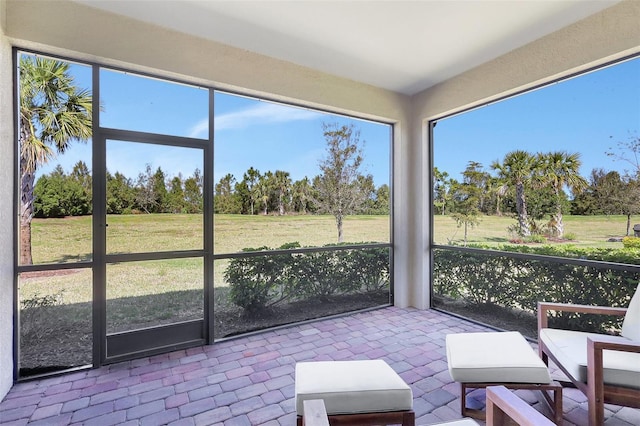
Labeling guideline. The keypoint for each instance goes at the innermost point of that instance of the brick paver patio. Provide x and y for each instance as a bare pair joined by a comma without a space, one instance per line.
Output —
250,380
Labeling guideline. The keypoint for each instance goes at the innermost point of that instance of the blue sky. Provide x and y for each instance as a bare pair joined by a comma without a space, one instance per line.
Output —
248,132
589,114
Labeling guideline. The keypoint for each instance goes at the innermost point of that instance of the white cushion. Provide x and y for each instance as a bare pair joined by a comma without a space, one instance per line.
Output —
462,422
570,347
350,387
504,357
631,323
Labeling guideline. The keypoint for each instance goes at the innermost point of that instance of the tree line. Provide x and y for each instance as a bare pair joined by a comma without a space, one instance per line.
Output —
538,189
59,194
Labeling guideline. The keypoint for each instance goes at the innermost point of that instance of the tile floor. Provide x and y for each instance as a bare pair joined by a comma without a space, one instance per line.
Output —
250,380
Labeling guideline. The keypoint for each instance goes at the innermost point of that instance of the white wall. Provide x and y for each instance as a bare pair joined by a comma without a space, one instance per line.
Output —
6,212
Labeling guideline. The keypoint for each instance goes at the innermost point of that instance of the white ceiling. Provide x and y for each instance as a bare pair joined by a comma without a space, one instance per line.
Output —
403,46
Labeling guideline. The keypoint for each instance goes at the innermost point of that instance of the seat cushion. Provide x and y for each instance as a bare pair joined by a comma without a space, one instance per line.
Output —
350,387
494,358
570,348
631,323
461,422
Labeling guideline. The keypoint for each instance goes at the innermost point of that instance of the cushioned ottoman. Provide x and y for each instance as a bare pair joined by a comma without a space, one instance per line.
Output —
478,360
357,392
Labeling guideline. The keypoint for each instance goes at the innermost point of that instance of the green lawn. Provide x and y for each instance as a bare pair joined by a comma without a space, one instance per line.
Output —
589,231
69,239
141,294
137,289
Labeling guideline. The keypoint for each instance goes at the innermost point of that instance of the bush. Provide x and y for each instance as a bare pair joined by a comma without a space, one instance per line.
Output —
263,280
537,238
259,281
490,278
631,242
35,314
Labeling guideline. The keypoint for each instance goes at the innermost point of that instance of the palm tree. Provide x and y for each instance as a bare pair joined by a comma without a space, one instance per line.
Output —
251,178
517,169
282,183
53,113
559,169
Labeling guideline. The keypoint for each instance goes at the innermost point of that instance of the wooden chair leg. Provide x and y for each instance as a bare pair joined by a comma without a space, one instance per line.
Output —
463,399
595,384
409,419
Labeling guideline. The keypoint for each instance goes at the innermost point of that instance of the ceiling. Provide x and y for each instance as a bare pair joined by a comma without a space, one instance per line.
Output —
403,46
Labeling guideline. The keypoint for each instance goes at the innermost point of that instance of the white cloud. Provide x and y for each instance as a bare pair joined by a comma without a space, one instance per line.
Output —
200,129
260,114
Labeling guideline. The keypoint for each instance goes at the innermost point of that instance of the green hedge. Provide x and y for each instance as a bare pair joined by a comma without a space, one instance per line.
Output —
489,278
257,282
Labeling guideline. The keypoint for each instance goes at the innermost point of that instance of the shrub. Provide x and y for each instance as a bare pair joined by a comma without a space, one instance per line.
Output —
488,277
631,242
570,236
35,315
536,238
260,281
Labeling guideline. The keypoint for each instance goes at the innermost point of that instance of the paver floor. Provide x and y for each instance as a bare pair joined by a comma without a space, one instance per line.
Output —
250,380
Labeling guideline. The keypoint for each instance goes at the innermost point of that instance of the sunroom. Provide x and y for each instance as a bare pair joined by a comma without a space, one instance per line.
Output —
390,70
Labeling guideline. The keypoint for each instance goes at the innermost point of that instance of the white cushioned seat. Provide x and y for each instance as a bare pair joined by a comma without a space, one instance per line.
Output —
461,422
500,357
570,347
351,387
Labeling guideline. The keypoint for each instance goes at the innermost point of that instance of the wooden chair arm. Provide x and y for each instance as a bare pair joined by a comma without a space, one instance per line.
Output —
314,413
612,343
502,405
545,307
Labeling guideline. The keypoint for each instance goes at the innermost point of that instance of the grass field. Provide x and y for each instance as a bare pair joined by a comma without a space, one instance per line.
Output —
589,231
141,294
69,239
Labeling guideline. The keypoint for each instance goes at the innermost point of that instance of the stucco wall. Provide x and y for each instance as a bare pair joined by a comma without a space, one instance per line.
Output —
6,217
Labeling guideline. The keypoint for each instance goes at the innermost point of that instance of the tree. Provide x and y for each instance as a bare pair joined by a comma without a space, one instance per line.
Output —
282,183
338,190
53,113
251,178
383,200
263,191
475,176
629,152
159,191
120,194
466,201
517,170
631,204
145,196
193,193
225,201
441,189
557,170
301,195
175,196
